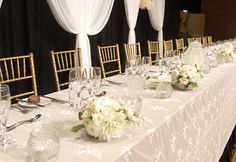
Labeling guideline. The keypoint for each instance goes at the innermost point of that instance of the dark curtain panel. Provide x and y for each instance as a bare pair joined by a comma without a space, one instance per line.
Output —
29,26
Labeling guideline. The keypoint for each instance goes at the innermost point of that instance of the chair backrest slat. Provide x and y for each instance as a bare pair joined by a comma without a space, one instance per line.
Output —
154,51
10,72
132,50
109,59
64,61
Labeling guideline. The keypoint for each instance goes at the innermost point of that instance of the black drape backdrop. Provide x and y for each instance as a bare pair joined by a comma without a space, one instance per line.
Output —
28,26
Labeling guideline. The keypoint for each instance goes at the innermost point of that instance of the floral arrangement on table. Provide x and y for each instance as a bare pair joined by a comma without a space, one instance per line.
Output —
227,53
185,77
107,118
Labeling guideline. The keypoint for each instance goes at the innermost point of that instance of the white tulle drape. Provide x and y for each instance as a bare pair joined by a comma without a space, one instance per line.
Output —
156,15
1,3
131,10
83,18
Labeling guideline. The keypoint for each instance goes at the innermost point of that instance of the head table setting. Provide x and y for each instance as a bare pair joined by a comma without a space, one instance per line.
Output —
180,109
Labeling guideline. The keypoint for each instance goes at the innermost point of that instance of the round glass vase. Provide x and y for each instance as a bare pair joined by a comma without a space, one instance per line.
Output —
42,145
163,90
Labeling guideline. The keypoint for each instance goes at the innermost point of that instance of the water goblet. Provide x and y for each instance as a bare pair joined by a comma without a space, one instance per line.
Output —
6,142
145,63
95,79
79,90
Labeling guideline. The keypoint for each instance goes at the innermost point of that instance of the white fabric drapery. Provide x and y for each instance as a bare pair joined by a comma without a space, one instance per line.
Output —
1,3
156,15
131,10
83,18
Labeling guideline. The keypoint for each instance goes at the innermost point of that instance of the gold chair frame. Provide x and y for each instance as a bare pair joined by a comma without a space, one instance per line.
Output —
109,55
64,61
209,40
14,69
132,50
153,50
179,44
204,41
168,48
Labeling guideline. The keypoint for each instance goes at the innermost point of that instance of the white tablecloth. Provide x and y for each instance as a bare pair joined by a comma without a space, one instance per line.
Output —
190,126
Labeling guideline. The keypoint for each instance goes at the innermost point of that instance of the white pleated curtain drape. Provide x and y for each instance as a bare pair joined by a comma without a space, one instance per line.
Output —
83,18
156,15
1,3
131,10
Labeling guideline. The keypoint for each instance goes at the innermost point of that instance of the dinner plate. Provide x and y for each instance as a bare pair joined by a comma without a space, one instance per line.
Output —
43,101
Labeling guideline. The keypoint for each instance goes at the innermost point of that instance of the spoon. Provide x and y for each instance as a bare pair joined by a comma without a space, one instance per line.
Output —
101,94
9,128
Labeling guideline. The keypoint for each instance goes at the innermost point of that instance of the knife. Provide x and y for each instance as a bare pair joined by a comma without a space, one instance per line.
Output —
37,104
56,100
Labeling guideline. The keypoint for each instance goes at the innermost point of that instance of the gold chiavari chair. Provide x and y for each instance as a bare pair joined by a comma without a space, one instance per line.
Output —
179,44
132,50
190,40
154,51
109,60
168,48
204,41
63,62
209,40
18,69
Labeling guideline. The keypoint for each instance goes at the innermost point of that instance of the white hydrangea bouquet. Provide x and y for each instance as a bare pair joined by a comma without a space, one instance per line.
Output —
185,77
107,118
227,53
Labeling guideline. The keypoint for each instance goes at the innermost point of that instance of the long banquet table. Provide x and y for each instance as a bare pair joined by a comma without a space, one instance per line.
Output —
190,126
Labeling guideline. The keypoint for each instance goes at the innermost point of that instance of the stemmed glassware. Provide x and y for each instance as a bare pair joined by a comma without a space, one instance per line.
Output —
145,63
95,79
6,143
83,88
79,90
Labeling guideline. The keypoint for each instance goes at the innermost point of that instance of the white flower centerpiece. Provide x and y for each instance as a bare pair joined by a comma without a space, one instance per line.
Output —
227,53
185,77
107,118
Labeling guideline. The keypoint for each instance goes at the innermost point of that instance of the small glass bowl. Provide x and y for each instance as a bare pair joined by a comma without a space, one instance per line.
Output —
43,145
163,89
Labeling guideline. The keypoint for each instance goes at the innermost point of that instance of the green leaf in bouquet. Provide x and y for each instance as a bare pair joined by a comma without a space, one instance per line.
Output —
77,128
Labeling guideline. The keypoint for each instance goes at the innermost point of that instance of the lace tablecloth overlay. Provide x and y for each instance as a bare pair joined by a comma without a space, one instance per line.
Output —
190,126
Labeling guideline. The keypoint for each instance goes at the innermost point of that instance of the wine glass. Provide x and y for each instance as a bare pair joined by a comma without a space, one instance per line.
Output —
6,143
145,63
95,79
79,89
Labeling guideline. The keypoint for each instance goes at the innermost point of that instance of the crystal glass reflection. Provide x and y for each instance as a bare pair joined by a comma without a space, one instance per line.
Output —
135,78
6,143
163,89
79,88
42,145
95,79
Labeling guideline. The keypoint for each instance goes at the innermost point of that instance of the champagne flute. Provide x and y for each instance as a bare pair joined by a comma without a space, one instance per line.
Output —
95,79
6,143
